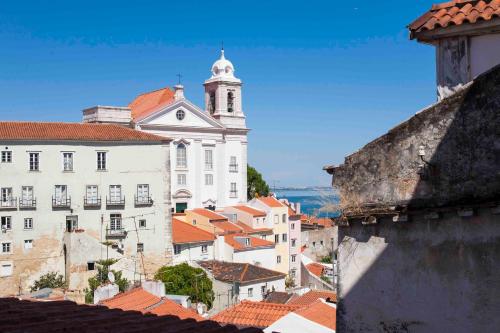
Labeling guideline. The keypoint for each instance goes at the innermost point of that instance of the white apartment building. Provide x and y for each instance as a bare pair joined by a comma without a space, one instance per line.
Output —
209,149
66,188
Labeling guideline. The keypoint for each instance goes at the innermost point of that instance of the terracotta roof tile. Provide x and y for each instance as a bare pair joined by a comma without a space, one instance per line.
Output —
170,308
43,131
239,272
211,215
279,297
315,268
257,314
254,212
183,232
64,316
237,242
271,201
227,227
455,12
145,104
312,296
320,312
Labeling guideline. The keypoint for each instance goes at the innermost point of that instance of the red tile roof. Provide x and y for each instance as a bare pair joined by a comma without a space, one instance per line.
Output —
210,214
183,232
315,268
455,12
313,295
139,299
256,314
249,230
255,242
65,316
320,312
271,201
321,221
227,227
254,212
145,104
40,131
239,272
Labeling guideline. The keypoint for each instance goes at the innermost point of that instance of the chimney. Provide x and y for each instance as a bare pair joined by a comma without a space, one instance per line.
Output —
178,92
297,208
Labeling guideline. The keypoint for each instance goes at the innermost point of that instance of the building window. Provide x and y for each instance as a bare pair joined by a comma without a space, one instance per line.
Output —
140,247
250,292
6,156
247,241
115,194
92,194
68,161
209,179
177,249
27,198
283,218
101,160
294,257
321,242
276,239
71,223
284,238
6,269
181,179
314,244
34,161
90,266
204,248
28,223
194,222
278,259
276,219
292,226
143,193
294,242
6,248
233,192
293,273
230,101
263,290
28,244
6,197
180,114
209,164
6,222
233,166
115,221
142,224
181,156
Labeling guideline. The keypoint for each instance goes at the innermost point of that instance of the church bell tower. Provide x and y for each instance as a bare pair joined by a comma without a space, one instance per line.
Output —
223,95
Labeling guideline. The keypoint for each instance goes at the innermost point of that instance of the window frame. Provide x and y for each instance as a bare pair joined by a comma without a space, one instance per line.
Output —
25,224
6,219
209,159
6,156
181,179
68,164
34,161
140,247
142,223
7,245
284,238
115,221
102,160
209,179
181,156
28,241
278,259
204,248
293,258
250,292
177,249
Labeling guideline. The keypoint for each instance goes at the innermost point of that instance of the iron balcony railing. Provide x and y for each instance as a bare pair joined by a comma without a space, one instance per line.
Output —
8,203
27,203
91,201
116,233
143,200
114,201
64,202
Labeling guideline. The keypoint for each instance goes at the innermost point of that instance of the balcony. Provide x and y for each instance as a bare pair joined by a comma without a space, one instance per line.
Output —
91,202
116,233
233,167
61,202
8,203
115,202
233,194
143,201
27,204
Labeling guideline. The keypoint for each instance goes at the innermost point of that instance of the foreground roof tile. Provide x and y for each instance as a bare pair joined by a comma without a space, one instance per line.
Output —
312,296
184,233
320,312
239,272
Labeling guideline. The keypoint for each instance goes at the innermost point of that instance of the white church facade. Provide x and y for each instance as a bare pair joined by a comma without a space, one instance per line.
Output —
209,146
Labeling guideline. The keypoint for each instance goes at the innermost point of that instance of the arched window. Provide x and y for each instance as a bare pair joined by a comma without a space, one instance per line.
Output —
230,102
283,218
211,103
181,156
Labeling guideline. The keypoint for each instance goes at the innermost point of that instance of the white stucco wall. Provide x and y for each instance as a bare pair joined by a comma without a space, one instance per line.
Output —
279,285
193,252
259,257
125,166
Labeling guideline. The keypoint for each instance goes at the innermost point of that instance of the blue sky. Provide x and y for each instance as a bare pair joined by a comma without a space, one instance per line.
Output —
321,78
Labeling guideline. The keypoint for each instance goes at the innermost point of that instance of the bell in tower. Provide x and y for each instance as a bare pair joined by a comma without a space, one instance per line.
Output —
223,94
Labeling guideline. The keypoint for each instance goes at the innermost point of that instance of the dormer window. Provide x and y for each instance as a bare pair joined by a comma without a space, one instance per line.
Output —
230,101
247,241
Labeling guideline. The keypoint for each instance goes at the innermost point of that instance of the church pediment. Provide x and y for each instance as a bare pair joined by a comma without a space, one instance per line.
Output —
182,114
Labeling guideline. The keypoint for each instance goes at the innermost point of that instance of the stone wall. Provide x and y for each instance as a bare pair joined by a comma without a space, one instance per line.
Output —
461,139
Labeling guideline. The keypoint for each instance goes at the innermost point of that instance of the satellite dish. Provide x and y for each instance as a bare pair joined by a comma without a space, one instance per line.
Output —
111,277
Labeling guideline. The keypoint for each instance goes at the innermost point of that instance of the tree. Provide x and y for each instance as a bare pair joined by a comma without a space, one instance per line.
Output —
49,280
186,280
102,277
256,185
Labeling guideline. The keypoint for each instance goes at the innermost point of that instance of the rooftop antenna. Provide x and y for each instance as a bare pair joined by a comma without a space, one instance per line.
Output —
179,77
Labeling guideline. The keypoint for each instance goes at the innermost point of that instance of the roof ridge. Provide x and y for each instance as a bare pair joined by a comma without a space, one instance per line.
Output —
153,91
244,272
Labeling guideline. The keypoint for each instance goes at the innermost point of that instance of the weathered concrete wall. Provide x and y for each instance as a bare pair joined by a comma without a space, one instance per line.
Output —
319,243
421,276
462,144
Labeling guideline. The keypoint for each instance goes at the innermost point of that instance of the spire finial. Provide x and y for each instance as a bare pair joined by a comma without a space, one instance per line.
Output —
222,50
179,77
